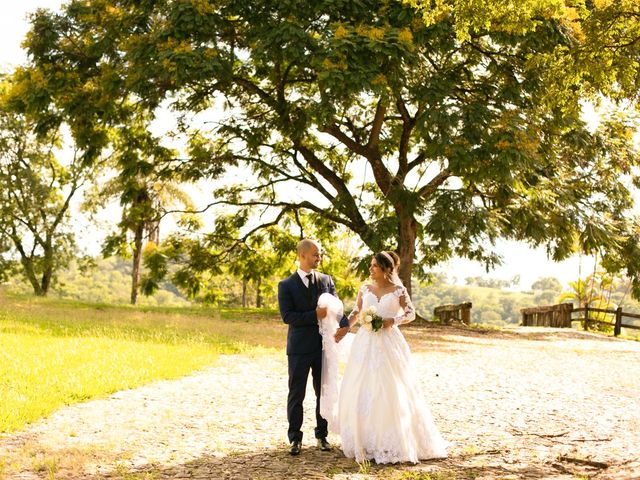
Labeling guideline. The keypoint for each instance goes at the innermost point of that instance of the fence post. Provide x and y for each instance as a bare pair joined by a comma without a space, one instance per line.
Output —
618,326
586,317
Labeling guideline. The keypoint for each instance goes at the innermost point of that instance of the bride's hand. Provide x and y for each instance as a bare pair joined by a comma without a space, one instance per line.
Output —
340,333
387,322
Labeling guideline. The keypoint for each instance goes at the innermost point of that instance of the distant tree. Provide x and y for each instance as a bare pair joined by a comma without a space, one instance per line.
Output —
252,262
547,283
490,317
145,197
190,262
491,282
510,308
36,189
545,297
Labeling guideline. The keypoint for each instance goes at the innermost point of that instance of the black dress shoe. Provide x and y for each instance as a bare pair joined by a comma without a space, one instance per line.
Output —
324,445
296,447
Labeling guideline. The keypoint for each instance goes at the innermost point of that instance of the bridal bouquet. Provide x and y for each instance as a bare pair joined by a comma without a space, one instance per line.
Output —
370,319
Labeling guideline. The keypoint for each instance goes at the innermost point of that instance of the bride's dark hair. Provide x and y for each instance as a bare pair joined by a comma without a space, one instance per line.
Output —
396,259
388,261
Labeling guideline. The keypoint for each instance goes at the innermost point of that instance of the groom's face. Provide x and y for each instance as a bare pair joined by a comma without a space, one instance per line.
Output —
310,258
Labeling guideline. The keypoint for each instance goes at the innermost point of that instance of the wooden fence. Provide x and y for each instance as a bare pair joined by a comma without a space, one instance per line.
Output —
459,313
617,322
549,316
562,316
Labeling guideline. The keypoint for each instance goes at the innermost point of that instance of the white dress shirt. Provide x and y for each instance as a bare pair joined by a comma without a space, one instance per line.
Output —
303,276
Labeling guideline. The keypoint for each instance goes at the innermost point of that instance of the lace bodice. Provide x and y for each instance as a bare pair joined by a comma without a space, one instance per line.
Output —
389,305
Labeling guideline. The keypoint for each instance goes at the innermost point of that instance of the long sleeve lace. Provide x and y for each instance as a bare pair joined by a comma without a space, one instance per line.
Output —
353,316
408,311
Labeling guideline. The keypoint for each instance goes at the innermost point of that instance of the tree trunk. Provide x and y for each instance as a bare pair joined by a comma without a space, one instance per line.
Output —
30,273
258,297
408,228
154,233
47,273
244,293
46,281
137,259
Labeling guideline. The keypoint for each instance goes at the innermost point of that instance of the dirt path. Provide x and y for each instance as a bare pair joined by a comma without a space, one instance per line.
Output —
521,404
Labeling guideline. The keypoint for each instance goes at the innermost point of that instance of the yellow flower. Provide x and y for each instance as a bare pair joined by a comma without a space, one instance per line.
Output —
115,11
601,4
375,33
340,32
203,7
405,36
362,30
183,47
328,64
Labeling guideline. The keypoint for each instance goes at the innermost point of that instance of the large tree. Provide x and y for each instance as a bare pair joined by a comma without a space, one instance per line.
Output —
430,134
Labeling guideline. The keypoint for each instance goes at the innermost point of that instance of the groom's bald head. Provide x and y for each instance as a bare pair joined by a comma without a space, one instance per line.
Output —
309,254
306,245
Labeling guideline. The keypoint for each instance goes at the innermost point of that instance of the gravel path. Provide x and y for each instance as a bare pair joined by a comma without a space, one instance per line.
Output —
526,403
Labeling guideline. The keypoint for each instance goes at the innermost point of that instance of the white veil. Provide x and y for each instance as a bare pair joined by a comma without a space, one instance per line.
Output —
393,278
332,354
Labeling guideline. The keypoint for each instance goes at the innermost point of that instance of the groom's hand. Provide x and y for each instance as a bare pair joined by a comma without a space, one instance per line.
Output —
340,333
321,312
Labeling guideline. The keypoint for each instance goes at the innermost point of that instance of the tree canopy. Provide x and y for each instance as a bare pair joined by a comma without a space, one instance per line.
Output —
432,128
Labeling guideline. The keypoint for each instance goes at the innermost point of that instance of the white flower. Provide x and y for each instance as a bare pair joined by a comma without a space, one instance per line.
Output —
368,319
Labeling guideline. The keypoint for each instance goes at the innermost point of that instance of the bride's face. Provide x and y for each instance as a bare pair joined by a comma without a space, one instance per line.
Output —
375,271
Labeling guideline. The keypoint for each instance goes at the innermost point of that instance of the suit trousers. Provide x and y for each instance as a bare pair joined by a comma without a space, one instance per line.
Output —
299,367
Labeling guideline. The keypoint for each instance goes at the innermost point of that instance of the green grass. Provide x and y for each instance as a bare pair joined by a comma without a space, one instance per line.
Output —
55,353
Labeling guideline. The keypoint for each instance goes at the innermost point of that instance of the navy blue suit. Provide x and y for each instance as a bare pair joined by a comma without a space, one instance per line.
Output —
304,345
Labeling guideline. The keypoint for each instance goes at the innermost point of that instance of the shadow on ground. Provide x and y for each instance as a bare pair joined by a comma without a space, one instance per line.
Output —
276,463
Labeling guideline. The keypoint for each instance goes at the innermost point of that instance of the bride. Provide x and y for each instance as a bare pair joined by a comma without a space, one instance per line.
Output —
382,413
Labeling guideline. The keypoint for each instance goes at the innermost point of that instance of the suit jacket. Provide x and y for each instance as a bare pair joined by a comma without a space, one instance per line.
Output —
298,310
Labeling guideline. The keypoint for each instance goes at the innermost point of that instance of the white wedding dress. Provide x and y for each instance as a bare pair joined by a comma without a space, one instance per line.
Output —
383,415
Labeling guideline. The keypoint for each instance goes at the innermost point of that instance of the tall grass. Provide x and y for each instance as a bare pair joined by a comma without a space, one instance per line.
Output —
55,353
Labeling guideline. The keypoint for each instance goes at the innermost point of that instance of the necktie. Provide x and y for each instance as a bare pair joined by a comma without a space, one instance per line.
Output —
309,280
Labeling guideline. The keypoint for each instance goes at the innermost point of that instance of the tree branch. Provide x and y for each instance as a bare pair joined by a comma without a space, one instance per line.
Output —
376,127
403,149
342,137
430,188
419,160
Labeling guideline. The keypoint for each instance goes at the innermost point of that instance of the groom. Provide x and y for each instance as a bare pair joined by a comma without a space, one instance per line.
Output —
298,301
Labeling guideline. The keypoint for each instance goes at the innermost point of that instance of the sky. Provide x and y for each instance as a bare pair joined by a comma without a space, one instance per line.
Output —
518,259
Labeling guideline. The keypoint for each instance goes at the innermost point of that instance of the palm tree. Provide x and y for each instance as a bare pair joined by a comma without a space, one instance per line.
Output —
590,293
